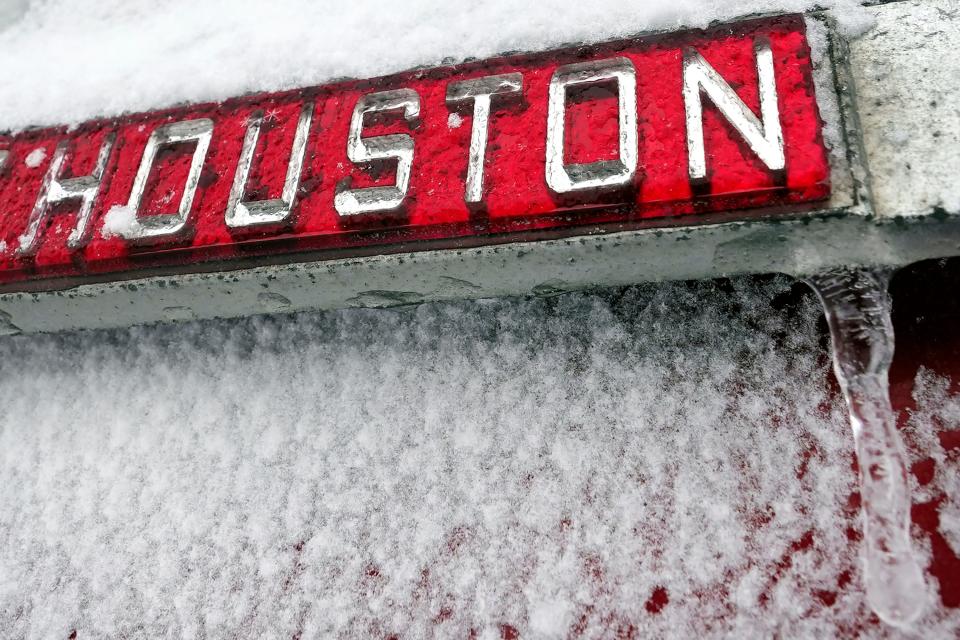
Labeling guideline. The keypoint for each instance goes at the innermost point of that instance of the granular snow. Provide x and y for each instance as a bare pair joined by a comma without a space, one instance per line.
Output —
664,459
35,158
120,220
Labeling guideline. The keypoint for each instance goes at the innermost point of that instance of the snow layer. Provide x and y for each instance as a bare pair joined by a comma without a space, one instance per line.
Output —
69,60
667,459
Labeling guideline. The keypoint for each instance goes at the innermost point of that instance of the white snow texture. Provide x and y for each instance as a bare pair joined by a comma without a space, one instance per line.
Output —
66,61
546,465
665,461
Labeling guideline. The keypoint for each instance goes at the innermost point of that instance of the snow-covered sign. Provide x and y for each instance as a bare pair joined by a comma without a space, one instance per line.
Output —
741,148
670,128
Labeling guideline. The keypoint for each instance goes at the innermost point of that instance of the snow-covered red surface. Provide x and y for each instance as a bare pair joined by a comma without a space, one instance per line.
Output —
662,461
666,460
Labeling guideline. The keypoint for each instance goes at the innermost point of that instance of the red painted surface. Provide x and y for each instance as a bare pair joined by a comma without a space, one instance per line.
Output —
926,314
518,202
926,317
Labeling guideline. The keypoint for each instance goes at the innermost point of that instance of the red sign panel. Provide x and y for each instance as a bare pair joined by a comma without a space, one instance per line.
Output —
664,129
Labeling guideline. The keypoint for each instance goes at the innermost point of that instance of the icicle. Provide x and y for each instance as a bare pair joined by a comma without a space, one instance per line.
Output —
857,307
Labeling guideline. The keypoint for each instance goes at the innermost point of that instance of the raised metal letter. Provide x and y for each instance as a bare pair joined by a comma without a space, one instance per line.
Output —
481,91
248,213
53,189
604,174
764,136
164,224
398,146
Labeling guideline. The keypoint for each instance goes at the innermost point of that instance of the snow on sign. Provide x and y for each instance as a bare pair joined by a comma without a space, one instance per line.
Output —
664,129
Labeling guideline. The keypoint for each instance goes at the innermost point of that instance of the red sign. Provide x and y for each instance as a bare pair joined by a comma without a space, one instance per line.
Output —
663,129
